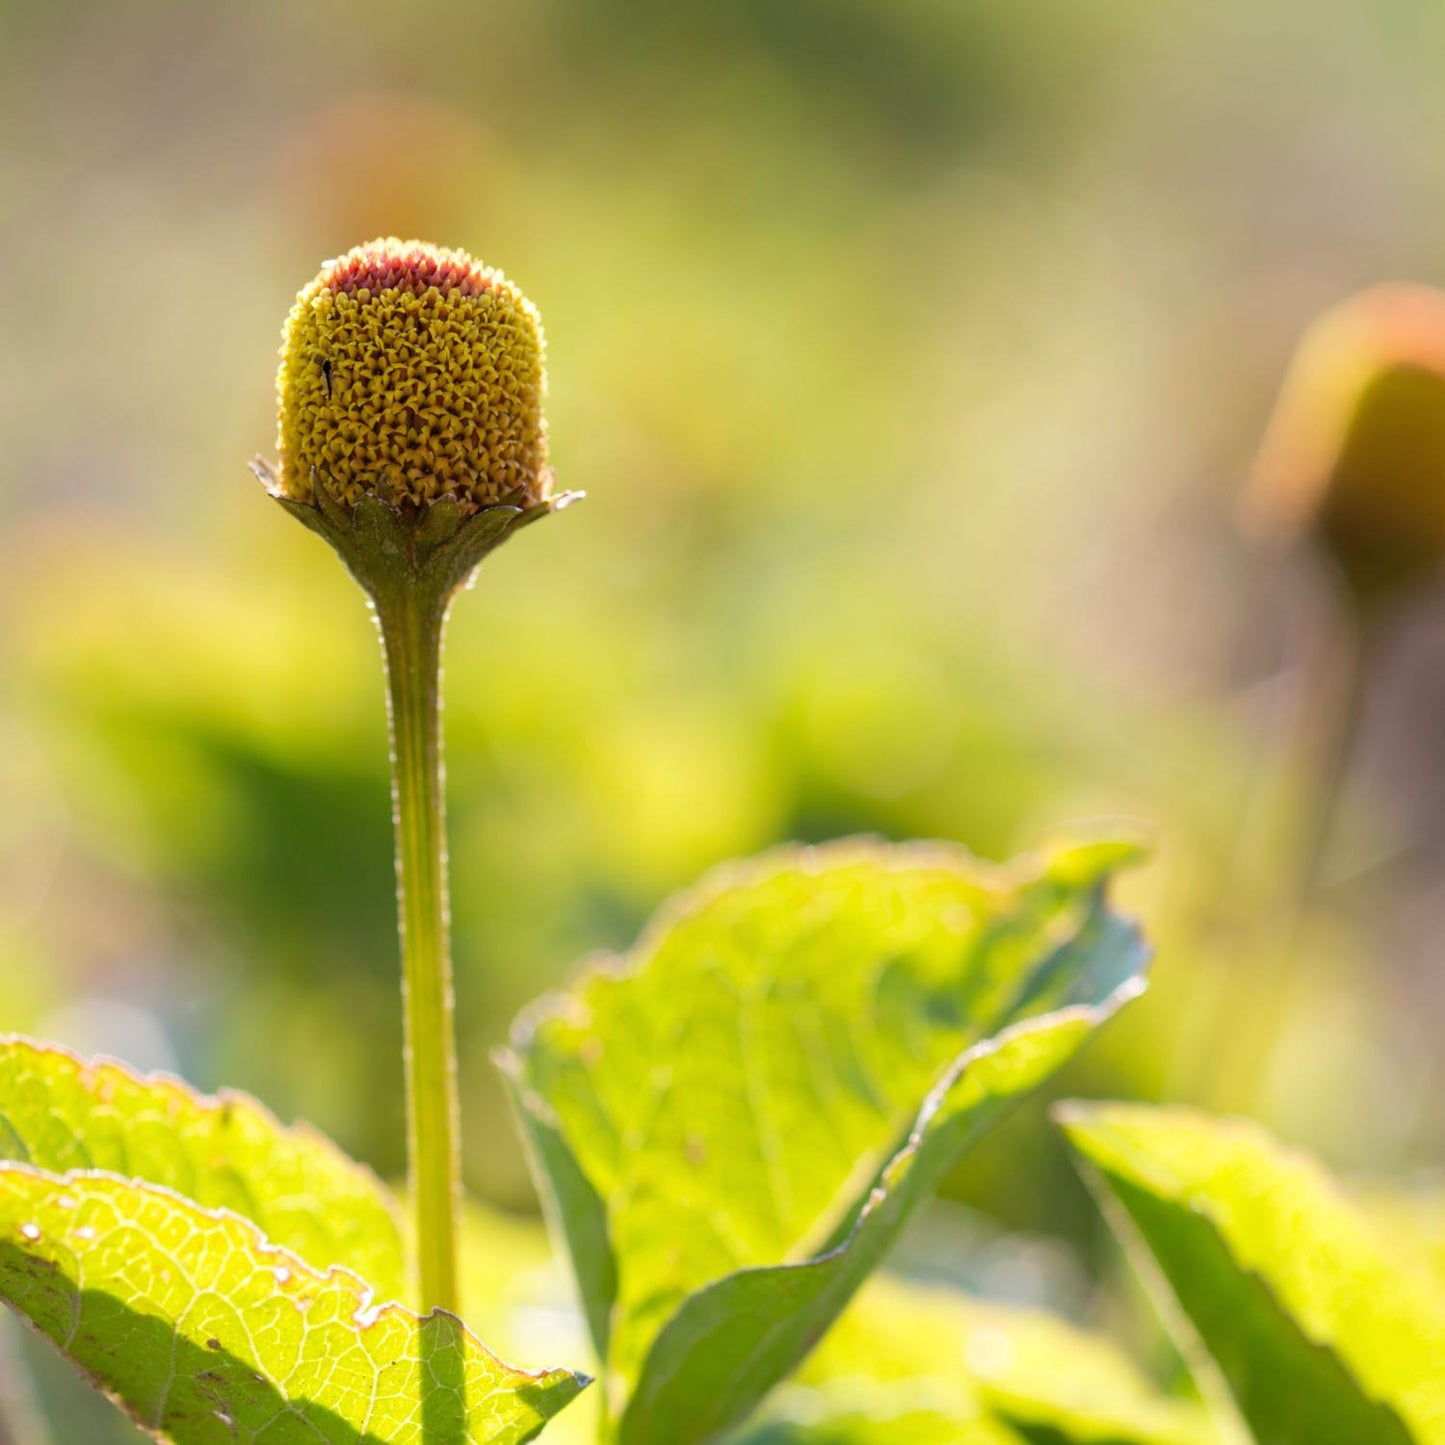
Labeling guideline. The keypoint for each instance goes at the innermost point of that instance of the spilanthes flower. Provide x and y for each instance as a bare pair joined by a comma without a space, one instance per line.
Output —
1355,452
412,440
410,419
411,372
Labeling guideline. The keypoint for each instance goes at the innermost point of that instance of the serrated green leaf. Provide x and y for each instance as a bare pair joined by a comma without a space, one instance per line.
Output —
209,1335
733,1123
59,1112
65,1406
1322,1331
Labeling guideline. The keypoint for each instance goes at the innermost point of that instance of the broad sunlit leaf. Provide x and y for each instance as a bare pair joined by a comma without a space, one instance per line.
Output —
59,1113
1323,1331
208,1335
733,1123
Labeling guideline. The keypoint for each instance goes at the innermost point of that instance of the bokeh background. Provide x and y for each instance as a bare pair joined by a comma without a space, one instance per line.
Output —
913,354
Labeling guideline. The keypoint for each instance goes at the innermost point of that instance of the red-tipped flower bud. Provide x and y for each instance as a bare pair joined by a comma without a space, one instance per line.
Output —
410,372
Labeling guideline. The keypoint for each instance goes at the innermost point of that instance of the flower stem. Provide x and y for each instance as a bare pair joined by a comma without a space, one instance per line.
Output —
1337,694
411,621
1225,1054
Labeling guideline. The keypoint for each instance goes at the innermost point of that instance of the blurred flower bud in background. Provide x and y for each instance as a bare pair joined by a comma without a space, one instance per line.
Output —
1355,452
389,163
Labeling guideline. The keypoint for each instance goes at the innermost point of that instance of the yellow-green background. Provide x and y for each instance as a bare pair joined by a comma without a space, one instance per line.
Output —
912,354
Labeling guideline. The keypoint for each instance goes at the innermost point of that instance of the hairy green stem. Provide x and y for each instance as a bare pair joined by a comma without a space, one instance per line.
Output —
411,629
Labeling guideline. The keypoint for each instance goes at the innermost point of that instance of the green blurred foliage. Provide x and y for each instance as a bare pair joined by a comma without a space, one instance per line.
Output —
910,354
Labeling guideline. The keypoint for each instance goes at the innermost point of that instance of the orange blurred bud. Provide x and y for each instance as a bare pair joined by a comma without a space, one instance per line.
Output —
1355,452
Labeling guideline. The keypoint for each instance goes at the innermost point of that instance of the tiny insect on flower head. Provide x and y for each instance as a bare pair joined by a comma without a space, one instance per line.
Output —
1355,451
410,372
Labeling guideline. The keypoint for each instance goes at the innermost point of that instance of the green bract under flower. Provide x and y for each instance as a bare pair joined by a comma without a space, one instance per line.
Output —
411,373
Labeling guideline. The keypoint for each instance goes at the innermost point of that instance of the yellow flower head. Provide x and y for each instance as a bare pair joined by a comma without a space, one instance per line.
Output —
410,372
1355,451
